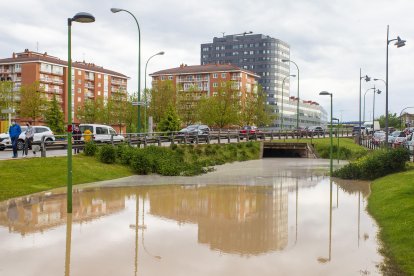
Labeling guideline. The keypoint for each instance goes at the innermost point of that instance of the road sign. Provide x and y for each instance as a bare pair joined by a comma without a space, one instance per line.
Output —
138,103
7,110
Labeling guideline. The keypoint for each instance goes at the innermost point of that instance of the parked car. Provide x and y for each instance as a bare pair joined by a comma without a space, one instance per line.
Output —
378,137
101,133
409,142
394,135
356,130
315,130
400,140
39,132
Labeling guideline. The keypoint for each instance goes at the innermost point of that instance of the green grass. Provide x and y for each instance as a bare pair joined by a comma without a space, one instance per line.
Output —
348,150
26,176
391,203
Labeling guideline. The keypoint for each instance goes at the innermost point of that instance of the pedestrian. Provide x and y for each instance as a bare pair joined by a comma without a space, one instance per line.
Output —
76,134
14,132
87,135
28,139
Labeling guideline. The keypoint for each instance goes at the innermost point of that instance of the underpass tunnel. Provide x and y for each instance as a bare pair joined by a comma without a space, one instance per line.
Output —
288,153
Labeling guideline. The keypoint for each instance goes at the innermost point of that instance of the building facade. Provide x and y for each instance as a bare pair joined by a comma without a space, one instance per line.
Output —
263,55
89,81
197,81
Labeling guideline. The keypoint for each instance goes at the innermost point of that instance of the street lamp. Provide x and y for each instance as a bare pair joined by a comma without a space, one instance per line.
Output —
297,115
367,79
401,114
145,87
81,17
115,10
283,84
363,116
373,109
399,43
325,93
337,135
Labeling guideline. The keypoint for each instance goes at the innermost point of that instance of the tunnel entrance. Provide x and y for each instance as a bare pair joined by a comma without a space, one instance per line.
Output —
288,150
269,153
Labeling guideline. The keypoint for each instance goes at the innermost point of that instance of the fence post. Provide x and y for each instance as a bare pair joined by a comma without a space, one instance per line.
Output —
218,138
197,138
271,135
228,136
129,139
208,138
112,139
172,138
43,147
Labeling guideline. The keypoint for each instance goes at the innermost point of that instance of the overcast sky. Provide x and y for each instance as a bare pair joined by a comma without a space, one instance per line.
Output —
329,39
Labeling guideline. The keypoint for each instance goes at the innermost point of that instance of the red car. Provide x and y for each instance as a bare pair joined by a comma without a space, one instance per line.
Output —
248,130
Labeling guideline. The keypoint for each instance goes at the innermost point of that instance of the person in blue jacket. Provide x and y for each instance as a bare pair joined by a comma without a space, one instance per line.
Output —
14,132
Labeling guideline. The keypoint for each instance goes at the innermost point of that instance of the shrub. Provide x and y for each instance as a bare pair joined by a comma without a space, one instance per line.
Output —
90,149
107,154
140,163
124,154
376,164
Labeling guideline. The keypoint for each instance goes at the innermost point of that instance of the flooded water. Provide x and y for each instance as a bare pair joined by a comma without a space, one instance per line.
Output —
262,217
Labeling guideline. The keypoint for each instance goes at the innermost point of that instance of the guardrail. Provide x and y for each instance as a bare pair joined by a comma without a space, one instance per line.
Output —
169,138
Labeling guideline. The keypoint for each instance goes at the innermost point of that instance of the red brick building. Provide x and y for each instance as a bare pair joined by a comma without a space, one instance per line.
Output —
89,80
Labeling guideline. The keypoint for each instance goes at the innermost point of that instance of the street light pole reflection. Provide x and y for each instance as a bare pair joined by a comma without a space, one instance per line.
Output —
144,227
68,243
322,259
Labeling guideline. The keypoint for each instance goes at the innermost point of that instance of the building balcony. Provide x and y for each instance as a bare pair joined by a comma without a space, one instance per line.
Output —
57,81
89,86
90,95
47,80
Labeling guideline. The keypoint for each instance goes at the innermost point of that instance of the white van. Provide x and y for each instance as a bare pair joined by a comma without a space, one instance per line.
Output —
101,133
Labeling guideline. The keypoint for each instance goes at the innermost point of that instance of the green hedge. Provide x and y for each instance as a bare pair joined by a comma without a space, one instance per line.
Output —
175,160
376,164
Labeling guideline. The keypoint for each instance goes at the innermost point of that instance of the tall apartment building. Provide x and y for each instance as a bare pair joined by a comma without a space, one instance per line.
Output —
206,80
263,55
89,81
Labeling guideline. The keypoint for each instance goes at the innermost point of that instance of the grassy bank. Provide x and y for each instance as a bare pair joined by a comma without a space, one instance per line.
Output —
391,203
31,175
348,150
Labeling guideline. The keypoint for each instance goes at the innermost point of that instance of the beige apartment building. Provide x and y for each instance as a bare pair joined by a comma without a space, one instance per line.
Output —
89,81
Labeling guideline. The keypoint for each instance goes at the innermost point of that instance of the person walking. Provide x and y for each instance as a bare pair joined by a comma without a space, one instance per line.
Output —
14,132
28,139
76,134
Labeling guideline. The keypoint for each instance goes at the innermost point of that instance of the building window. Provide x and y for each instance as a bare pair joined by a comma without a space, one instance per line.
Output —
170,77
99,76
79,90
79,99
215,76
223,75
79,81
162,78
79,73
215,84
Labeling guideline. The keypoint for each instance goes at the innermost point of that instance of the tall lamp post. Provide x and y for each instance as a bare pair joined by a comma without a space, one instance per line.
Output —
363,115
115,10
373,109
81,17
297,115
367,79
283,85
326,93
402,112
145,87
400,43
337,135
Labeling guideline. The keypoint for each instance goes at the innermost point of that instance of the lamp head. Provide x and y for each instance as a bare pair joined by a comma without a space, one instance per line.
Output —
161,53
83,17
325,93
285,60
378,91
367,79
335,119
293,76
115,10
400,43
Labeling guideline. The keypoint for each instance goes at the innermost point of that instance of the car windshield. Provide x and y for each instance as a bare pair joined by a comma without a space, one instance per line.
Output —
192,127
396,133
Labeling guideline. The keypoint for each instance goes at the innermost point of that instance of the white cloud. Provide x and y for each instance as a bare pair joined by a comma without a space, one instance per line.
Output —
330,39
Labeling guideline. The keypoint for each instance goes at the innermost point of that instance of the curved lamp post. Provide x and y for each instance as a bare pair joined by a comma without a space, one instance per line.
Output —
367,79
399,43
373,109
337,135
363,116
145,87
283,85
297,67
81,17
115,10
402,112
326,93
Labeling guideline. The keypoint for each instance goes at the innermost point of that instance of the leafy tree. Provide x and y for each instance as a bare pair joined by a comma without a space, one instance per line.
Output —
32,101
131,114
160,96
393,120
187,105
7,98
170,121
255,111
117,106
91,111
54,116
222,109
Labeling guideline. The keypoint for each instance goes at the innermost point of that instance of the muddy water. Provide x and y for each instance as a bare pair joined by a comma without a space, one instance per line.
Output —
263,217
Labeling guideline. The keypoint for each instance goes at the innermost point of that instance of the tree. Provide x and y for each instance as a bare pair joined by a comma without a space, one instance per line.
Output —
221,109
32,101
7,99
255,111
91,111
393,120
117,106
170,121
160,96
54,116
187,105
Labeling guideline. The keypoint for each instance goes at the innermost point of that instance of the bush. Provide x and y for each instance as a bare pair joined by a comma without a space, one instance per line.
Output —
90,149
124,154
107,154
140,163
376,164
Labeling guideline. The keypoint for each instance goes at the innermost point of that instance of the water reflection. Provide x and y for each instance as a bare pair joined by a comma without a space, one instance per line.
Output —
156,229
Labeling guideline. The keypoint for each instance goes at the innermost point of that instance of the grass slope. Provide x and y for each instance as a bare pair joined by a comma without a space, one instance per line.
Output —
27,176
391,203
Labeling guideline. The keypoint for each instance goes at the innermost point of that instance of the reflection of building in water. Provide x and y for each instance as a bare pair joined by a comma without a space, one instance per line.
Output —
234,219
41,212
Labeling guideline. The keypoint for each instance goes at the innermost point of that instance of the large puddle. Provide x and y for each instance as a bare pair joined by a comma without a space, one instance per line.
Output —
284,220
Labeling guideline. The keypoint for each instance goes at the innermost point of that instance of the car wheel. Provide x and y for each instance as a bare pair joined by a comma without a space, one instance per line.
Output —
48,141
20,144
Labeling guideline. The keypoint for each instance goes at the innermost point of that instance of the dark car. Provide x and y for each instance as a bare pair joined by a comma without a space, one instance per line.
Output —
195,130
315,131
